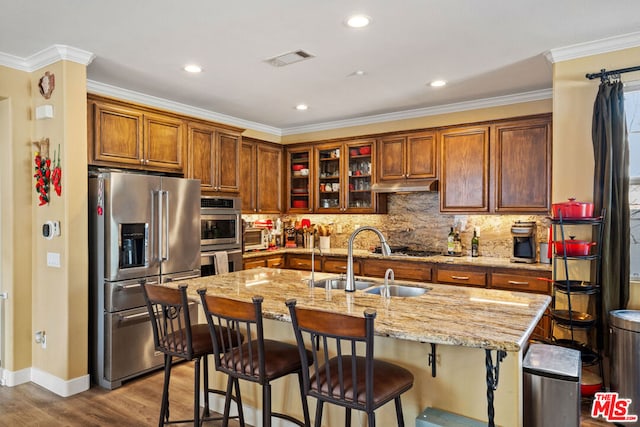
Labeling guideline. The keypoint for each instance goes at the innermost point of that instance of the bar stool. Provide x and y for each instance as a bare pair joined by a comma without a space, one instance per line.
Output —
352,378
259,360
175,336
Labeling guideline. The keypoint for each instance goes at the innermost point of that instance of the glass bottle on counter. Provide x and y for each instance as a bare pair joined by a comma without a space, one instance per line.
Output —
475,242
457,244
451,242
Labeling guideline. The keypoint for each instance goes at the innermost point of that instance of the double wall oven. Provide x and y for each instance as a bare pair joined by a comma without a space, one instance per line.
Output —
220,231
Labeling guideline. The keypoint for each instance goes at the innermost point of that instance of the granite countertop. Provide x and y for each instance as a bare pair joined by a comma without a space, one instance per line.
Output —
445,314
480,261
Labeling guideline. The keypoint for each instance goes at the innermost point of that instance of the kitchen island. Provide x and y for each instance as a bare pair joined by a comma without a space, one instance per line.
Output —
460,323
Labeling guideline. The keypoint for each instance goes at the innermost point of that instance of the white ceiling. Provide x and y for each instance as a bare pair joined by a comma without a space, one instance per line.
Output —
483,48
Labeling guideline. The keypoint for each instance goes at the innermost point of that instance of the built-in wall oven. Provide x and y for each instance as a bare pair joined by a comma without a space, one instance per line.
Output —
220,231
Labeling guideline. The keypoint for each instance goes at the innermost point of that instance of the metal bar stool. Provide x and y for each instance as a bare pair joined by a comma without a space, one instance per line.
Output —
175,336
259,360
352,378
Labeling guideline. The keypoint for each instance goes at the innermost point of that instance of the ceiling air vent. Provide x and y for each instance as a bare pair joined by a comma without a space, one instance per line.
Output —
289,58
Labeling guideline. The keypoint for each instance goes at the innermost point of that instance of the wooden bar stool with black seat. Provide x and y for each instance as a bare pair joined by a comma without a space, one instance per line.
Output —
175,336
352,378
258,360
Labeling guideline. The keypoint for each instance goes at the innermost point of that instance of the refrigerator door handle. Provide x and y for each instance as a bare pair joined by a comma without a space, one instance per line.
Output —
165,236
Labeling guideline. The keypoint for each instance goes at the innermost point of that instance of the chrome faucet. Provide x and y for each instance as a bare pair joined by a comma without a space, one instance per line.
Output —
312,281
386,251
387,291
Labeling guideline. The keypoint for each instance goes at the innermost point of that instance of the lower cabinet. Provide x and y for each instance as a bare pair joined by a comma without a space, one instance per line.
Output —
303,262
272,261
402,270
339,265
462,275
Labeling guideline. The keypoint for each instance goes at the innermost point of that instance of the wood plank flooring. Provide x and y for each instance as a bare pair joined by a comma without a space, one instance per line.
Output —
136,403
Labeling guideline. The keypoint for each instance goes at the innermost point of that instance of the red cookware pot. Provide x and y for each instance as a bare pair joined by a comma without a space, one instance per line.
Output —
298,167
572,209
574,247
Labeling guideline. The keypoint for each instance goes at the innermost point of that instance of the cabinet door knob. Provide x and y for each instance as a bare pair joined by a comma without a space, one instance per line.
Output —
142,161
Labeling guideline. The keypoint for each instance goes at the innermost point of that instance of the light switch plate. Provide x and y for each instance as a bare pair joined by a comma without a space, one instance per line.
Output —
53,259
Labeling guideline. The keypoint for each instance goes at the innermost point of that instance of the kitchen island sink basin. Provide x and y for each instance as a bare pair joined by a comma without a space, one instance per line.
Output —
398,290
342,283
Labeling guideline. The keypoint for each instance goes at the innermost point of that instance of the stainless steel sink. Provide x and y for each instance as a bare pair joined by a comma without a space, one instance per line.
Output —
341,284
398,290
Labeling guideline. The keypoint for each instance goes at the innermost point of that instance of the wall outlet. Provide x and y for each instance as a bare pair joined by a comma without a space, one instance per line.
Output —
41,338
339,228
53,259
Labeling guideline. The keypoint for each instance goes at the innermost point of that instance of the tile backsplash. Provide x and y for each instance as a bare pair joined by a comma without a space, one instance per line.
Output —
414,220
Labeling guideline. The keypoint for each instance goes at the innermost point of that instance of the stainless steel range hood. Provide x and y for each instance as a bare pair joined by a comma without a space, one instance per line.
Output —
405,186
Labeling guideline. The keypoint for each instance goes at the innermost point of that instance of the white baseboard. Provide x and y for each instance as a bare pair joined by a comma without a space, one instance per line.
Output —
64,388
252,416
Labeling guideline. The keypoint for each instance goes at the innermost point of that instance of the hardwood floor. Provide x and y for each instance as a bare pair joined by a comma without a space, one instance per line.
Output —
136,403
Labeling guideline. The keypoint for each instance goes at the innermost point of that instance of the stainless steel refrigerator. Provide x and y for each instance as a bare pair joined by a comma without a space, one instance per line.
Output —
142,228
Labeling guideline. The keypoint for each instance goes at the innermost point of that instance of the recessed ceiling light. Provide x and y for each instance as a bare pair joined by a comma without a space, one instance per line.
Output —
438,83
358,21
302,107
357,73
193,68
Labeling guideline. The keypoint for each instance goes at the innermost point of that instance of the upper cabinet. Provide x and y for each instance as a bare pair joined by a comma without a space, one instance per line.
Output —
407,156
500,167
464,169
344,176
523,165
260,177
214,158
121,135
299,172
132,136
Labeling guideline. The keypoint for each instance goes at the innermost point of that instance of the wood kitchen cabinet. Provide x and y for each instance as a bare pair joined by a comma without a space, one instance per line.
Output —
261,177
403,270
299,172
407,156
344,174
214,157
271,261
339,265
303,262
497,167
464,169
125,135
462,275
523,165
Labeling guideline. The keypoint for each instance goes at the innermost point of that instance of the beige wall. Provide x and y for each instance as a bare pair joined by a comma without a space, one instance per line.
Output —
573,97
60,295
15,182
41,297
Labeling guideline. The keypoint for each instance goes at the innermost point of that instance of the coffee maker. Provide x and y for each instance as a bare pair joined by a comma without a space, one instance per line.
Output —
524,242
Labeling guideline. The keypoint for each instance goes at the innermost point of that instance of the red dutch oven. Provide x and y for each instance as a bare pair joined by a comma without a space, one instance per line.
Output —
574,247
572,209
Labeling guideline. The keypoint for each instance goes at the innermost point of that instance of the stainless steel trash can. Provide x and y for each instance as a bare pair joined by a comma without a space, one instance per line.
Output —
625,357
551,386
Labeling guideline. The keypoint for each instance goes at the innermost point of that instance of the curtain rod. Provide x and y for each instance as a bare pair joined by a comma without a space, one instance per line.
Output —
603,74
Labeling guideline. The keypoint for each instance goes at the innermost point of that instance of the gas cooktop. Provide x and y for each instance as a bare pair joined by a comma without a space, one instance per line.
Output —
404,250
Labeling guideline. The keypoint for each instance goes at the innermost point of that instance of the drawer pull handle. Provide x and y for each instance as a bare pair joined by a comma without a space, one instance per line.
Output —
514,282
277,264
460,277
342,267
302,264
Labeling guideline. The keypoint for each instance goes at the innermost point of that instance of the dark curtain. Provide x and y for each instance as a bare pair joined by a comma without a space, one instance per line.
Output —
611,192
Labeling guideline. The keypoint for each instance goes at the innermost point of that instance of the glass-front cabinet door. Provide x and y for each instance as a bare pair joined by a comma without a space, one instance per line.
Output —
359,172
344,176
300,174
330,178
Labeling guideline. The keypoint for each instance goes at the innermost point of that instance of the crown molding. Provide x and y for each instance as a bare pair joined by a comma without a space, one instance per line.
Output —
596,47
423,112
48,56
153,101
